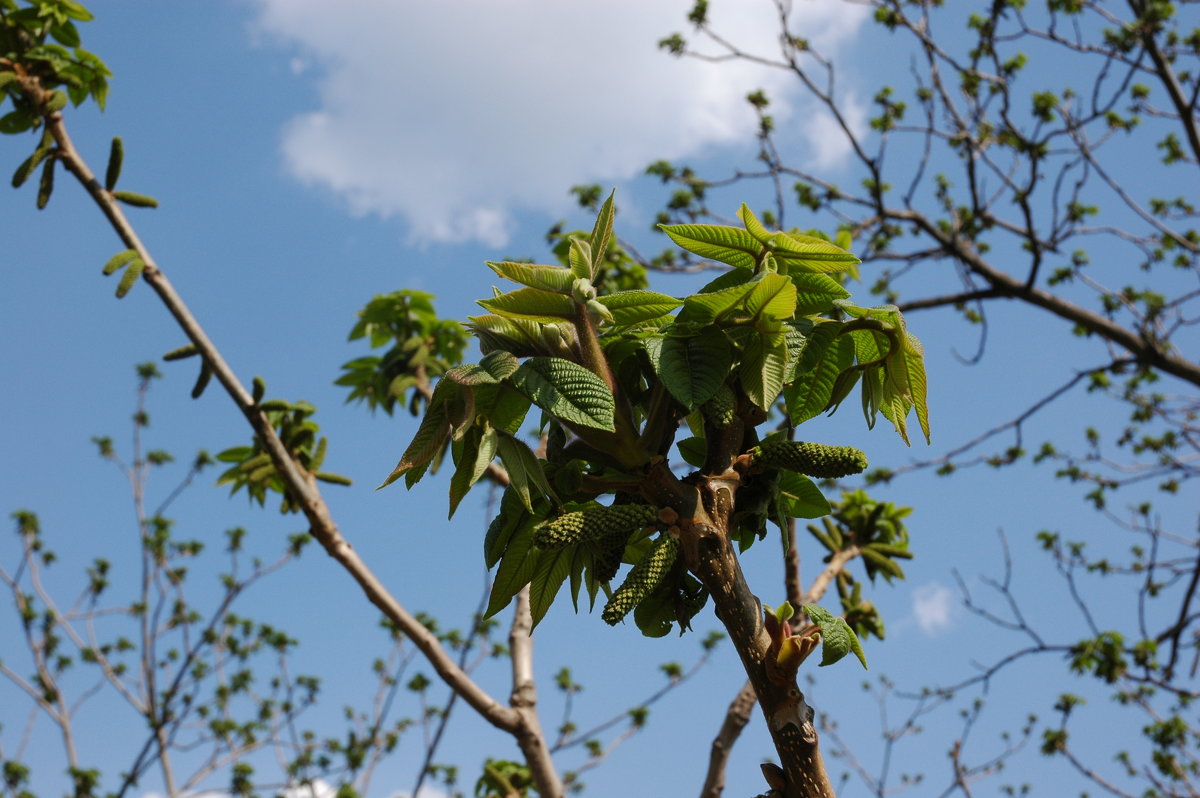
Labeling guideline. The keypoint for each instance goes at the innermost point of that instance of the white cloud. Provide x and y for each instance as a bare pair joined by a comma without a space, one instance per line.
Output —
827,143
455,114
934,607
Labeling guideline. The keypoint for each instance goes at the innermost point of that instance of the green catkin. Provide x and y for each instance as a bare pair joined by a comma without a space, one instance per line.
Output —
610,551
592,524
719,410
811,459
642,579
116,156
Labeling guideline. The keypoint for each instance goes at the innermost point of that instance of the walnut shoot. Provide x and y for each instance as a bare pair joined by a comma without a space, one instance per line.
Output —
615,373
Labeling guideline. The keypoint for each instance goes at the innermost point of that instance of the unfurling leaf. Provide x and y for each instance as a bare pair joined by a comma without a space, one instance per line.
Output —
532,304
837,638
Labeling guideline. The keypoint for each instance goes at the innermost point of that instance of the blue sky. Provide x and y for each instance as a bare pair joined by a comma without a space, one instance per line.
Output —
308,158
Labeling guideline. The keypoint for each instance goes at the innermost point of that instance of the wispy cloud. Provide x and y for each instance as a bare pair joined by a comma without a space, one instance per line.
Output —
454,115
934,606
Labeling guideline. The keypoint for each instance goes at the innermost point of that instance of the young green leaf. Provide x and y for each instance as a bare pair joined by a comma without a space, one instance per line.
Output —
753,226
531,304
773,297
810,254
516,568
471,457
692,368
825,357
763,367
632,307
799,497
546,278
431,435
816,293
567,391
837,638
721,243
524,470
551,571
601,235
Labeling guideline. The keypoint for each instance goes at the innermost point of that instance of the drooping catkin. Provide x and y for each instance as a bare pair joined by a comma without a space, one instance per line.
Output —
643,578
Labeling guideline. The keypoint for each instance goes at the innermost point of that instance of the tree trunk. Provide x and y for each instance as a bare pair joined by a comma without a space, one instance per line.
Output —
705,507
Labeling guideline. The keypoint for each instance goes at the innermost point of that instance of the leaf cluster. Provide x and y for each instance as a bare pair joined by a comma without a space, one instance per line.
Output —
616,371
421,348
253,469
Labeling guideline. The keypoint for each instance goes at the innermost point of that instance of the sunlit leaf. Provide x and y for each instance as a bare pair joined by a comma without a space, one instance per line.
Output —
692,368
731,245
631,307
531,304
547,278
567,391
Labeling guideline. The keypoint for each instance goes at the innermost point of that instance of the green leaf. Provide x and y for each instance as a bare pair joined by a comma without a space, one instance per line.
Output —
914,362
518,337
494,367
547,278
692,368
601,235
816,293
753,226
516,568
799,496
567,391
837,638
729,279
503,407
431,435
631,307
763,367
809,253
472,457
548,577
693,451
524,470
15,122
511,515
824,358
531,304
731,245
579,255
773,296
